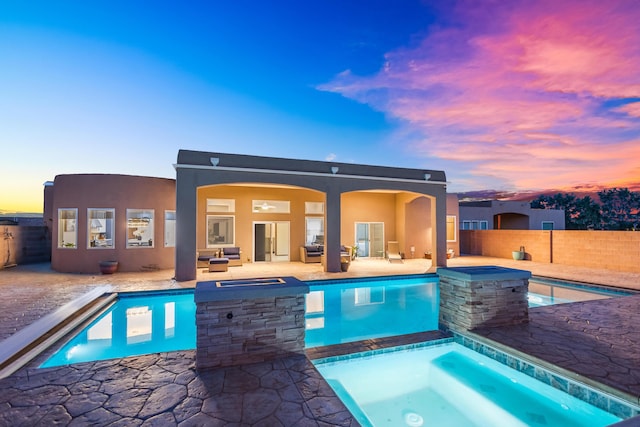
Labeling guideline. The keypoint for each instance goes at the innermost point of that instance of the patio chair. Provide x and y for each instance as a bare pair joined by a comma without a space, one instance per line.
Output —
393,251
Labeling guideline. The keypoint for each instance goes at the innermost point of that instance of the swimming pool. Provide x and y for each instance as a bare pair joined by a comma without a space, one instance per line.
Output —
450,385
546,291
337,311
138,323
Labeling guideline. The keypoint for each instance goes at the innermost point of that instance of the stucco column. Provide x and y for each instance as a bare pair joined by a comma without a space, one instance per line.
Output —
186,215
439,238
332,232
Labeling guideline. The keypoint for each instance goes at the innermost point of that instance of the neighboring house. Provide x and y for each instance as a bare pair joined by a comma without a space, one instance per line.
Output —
508,215
268,207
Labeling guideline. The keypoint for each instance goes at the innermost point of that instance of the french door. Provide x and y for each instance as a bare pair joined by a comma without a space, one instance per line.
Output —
370,239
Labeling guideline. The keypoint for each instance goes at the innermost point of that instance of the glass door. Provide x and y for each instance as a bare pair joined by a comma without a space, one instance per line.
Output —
370,239
271,241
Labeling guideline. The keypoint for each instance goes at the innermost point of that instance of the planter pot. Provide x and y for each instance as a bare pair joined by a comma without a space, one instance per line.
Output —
344,266
518,255
108,267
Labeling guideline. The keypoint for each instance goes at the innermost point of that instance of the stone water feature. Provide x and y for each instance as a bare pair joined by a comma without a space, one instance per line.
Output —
486,296
247,321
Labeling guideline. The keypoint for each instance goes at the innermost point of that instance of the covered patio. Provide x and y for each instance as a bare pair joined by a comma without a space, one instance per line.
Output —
396,203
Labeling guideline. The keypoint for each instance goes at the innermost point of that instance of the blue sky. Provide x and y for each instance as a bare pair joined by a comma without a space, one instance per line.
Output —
120,87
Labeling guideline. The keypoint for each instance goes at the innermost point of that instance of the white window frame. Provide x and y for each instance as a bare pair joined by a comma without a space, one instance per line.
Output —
68,229
170,229
96,223
211,218
271,206
475,224
314,208
310,237
451,219
221,205
140,228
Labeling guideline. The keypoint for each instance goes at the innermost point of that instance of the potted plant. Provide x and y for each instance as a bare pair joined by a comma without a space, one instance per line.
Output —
519,255
108,267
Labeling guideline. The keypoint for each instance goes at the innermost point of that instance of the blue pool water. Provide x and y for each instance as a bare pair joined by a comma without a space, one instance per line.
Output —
450,385
139,323
337,311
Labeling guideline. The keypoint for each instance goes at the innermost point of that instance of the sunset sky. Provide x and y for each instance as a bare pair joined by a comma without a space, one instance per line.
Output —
512,96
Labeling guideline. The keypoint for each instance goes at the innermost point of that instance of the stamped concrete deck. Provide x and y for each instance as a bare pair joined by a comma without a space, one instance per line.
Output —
596,340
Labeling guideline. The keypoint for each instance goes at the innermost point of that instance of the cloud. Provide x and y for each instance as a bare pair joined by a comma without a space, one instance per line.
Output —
532,94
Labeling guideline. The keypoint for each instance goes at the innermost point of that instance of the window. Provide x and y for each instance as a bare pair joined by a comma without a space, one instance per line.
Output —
314,231
100,224
451,228
312,208
221,205
271,206
169,229
140,228
475,225
67,232
220,230
547,225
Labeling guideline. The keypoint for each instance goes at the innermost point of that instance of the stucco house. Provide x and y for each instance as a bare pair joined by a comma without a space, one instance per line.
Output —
508,215
268,207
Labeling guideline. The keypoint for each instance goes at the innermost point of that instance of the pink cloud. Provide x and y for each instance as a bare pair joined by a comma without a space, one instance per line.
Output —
518,91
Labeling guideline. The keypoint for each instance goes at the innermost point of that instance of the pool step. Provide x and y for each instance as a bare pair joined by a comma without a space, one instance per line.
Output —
21,347
493,398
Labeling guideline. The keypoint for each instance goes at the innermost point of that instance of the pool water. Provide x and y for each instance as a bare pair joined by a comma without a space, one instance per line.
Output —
337,311
543,291
138,323
450,385
340,311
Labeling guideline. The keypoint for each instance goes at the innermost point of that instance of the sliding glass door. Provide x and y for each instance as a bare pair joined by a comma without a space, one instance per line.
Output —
370,239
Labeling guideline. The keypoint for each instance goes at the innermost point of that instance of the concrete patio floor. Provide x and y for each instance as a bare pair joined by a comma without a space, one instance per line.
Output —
596,340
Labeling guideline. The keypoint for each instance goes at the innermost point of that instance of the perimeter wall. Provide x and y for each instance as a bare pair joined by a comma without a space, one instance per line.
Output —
611,250
20,244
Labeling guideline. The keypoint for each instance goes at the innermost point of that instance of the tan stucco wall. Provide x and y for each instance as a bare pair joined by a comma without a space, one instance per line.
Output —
613,250
368,207
120,192
417,226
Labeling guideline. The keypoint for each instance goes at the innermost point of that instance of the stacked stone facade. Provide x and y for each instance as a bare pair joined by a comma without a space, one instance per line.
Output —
470,301
249,330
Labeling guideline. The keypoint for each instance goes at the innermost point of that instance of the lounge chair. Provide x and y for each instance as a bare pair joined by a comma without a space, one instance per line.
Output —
393,251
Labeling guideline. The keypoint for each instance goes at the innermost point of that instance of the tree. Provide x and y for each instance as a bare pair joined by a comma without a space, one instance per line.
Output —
620,209
579,213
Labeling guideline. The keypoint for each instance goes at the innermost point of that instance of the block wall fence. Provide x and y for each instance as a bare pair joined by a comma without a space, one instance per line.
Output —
611,250
24,244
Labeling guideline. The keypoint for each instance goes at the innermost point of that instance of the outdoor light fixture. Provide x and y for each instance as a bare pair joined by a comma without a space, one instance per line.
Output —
427,176
334,169
214,161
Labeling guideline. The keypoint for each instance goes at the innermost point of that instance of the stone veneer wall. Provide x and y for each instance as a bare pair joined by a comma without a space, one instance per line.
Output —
469,301
242,331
